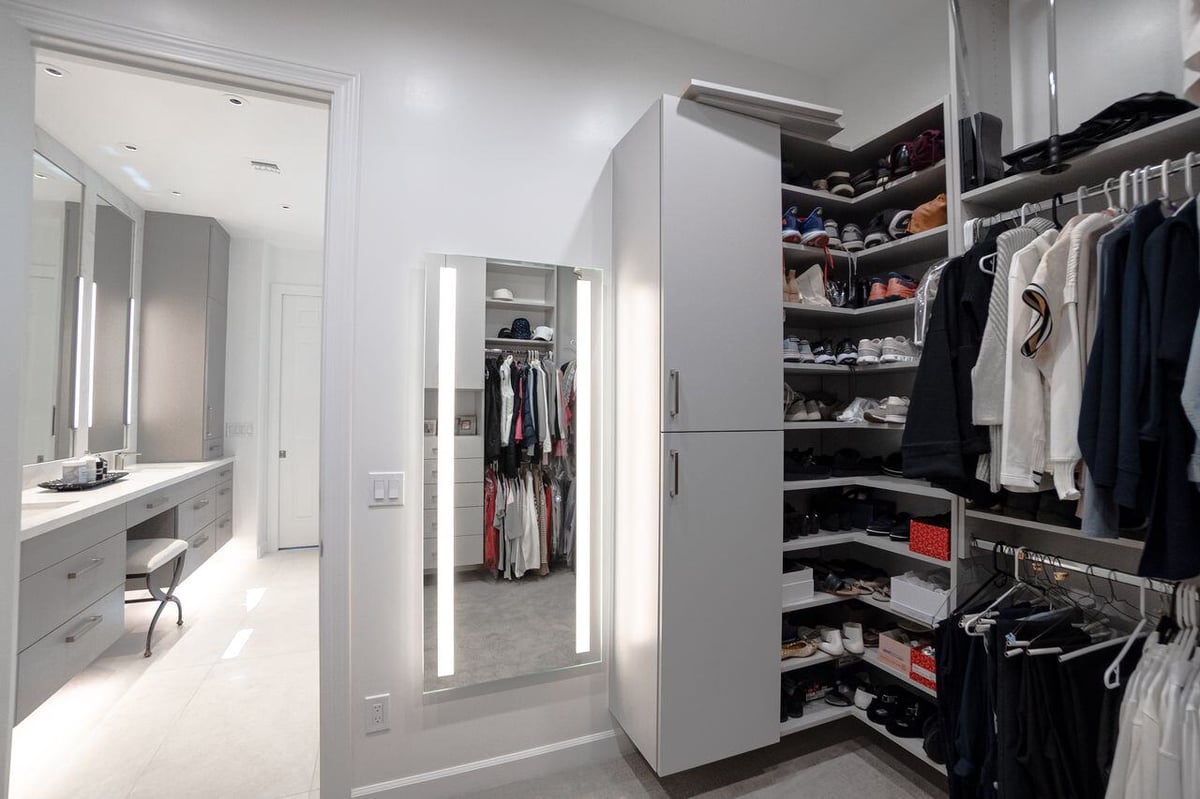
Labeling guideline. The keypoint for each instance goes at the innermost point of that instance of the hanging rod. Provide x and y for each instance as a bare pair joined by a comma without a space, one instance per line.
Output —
1099,572
1174,168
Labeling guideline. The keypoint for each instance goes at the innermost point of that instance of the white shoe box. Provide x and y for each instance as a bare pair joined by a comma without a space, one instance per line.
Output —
798,585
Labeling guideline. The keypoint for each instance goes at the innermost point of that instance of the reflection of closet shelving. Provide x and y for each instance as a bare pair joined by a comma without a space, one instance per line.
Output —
923,246
834,369
794,252
828,539
821,599
804,314
520,305
869,656
906,192
902,485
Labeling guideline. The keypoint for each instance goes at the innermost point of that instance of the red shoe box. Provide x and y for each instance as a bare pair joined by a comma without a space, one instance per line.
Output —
929,539
922,669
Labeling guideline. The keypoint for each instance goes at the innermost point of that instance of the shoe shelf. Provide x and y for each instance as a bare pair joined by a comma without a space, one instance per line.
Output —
834,369
1011,521
520,305
816,713
901,253
819,599
914,746
793,664
886,607
798,313
871,656
903,193
827,425
1170,139
902,485
880,542
802,254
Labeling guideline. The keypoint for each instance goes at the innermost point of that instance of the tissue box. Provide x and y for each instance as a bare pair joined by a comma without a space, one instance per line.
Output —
798,585
929,539
923,668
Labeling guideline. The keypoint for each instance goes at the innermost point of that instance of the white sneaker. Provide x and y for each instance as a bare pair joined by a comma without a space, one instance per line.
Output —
831,642
852,635
897,349
855,410
791,349
813,411
891,410
869,350
806,353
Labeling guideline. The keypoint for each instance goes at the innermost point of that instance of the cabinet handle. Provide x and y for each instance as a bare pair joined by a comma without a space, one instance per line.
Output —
675,471
202,503
213,447
84,628
225,473
674,375
223,492
199,542
223,524
157,503
94,563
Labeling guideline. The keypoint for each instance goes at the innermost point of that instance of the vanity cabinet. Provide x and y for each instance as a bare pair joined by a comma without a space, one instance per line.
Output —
181,372
468,501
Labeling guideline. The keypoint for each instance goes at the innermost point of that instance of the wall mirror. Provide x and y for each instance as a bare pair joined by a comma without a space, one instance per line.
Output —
513,505
112,288
52,306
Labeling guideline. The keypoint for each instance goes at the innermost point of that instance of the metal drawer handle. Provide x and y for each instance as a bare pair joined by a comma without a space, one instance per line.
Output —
674,375
202,503
224,523
223,492
225,473
94,563
84,628
675,469
199,542
157,503
213,447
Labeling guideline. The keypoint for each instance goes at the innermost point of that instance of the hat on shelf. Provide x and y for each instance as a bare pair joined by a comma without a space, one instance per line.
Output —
543,333
504,333
502,294
521,328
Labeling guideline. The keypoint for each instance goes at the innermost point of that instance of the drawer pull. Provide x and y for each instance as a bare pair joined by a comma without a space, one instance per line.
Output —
94,563
224,523
225,473
157,503
223,492
89,623
213,447
199,542
201,504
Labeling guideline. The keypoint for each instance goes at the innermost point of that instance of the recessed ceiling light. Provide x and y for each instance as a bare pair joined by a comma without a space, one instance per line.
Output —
40,176
233,99
286,207
176,194
130,147
53,71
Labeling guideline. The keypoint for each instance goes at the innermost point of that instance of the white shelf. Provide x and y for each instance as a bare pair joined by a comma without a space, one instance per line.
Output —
815,714
901,485
871,656
802,252
819,599
999,518
802,313
795,664
520,305
835,369
914,746
825,425
886,607
518,343
918,248
1170,139
904,193
881,543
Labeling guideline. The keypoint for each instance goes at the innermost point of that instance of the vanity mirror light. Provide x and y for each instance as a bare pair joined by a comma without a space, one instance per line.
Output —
109,351
513,481
55,292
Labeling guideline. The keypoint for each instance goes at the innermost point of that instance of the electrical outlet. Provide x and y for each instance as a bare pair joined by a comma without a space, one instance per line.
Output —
378,712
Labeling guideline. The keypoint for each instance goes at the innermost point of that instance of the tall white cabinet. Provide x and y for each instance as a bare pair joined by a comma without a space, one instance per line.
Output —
694,673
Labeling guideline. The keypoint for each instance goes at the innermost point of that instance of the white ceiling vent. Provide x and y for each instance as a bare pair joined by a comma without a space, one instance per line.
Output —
265,166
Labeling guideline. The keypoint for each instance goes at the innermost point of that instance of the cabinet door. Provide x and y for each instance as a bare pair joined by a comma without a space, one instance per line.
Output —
218,263
720,584
721,301
214,378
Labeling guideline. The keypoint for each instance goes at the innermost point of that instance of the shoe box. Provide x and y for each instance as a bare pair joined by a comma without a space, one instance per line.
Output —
916,599
798,585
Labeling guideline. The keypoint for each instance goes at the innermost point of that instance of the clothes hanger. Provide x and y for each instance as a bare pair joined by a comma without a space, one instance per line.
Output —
1187,174
1164,170
1054,204
1122,191
1081,194
1112,675
1032,208
1108,199
970,624
996,580
986,261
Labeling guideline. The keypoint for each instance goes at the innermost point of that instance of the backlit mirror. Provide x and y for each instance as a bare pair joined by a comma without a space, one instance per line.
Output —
110,384
512,483
52,306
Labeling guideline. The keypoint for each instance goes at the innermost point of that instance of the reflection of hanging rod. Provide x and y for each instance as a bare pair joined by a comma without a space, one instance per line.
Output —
1099,572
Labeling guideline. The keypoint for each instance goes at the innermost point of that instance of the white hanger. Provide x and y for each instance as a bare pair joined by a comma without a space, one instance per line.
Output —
988,260
1123,192
1145,173
1164,170
1112,675
1187,173
1032,209
1081,194
970,624
1108,193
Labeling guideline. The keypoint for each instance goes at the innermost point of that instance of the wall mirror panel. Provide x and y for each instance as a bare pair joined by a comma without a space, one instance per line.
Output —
513,486
52,307
112,287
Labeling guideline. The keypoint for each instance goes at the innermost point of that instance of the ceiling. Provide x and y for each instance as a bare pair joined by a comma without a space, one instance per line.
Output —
815,37
190,139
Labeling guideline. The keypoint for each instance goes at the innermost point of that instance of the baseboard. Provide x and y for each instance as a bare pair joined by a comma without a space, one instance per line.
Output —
503,769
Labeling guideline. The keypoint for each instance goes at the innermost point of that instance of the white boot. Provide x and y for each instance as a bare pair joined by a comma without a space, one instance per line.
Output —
852,633
831,642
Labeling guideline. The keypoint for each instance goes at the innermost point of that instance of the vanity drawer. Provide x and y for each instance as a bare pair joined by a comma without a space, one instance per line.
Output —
53,595
224,473
149,506
467,521
47,665
464,447
468,551
466,470
224,498
201,546
49,548
196,513
224,530
466,495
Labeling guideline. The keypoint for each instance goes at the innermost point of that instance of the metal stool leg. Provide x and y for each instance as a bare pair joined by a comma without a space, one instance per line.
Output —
163,599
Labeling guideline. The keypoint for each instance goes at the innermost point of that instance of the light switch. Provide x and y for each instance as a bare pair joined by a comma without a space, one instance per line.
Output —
386,488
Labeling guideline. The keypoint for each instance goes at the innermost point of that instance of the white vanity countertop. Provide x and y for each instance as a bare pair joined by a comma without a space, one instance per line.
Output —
60,508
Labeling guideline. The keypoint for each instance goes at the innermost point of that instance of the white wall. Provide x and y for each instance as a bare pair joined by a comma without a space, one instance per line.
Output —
254,266
1107,50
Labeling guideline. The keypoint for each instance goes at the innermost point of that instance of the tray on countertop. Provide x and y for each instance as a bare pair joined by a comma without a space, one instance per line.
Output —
59,485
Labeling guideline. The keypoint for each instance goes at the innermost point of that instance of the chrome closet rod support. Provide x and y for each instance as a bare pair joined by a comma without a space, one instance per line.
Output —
1099,572
1177,166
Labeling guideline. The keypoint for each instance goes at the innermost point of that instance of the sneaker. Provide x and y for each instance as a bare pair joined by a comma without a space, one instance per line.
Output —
900,528
897,349
900,287
791,349
796,411
877,232
882,172
823,352
854,411
806,353
863,182
869,350
791,225
877,291
812,229
847,353
891,410
832,234
839,183
820,184
852,238
897,222
900,160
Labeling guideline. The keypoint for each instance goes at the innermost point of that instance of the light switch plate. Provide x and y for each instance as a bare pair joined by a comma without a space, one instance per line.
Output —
385,489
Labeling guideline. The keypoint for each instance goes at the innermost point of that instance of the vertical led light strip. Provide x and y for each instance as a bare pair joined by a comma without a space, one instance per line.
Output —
79,288
583,466
92,361
129,364
448,289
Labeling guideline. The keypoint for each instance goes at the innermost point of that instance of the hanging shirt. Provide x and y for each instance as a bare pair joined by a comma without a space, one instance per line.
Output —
506,401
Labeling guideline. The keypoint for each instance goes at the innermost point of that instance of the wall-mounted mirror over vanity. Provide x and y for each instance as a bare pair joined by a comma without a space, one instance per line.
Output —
513,500
111,386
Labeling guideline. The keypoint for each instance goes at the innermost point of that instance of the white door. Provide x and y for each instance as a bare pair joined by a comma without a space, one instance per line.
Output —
43,294
299,416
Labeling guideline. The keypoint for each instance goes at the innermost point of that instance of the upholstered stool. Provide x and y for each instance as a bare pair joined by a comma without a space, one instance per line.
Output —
142,558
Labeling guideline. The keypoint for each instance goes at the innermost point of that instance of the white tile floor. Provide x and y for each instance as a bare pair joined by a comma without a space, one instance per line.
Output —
196,719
